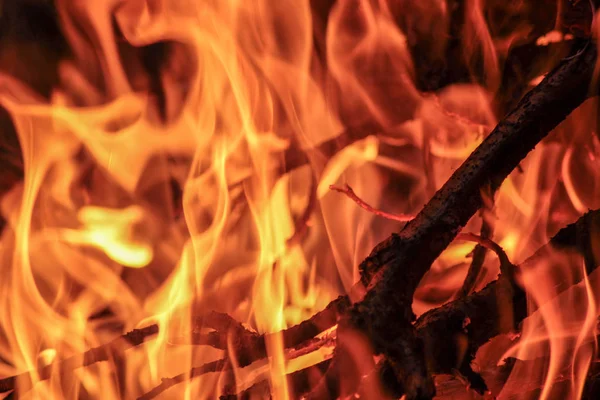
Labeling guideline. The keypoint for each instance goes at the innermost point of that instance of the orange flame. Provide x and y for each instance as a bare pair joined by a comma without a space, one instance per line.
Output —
155,186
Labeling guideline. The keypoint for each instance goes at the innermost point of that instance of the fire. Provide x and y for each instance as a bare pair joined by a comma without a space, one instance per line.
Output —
110,231
161,181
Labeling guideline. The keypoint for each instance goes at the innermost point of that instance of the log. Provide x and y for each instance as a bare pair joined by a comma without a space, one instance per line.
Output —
452,334
484,309
393,270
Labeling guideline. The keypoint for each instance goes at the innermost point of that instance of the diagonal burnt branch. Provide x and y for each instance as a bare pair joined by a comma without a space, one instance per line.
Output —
396,266
452,333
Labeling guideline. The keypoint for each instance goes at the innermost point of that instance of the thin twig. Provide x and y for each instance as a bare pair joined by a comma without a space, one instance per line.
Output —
505,264
477,259
167,383
347,190
506,267
222,365
23,382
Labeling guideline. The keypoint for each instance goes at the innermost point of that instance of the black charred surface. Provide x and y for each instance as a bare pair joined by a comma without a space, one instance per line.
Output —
543,108
453,333
397,265
479,254
525,62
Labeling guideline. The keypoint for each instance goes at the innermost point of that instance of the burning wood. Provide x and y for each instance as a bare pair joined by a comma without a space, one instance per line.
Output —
209,148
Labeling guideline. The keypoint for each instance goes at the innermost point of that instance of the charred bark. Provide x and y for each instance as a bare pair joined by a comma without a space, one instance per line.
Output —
395,267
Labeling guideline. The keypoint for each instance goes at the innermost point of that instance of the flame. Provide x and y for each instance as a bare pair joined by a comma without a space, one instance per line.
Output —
570,341
158,182
108,231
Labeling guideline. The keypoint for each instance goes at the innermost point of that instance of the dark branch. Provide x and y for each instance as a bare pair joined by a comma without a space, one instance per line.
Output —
396,266
452,334
480,251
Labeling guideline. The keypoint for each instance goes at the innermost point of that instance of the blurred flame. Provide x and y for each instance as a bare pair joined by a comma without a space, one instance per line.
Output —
110,231
568,340
47,356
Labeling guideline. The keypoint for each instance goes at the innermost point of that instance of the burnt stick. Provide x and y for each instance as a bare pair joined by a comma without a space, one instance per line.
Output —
396,266
453,333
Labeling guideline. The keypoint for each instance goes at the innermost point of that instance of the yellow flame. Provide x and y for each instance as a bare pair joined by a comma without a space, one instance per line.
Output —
111,231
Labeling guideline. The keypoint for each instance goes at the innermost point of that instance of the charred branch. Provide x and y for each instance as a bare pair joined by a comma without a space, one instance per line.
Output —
476,265
454,332
396,266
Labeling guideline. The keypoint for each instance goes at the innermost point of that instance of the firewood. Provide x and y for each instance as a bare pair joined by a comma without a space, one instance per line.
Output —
484,308
452,334
393,270
434,328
